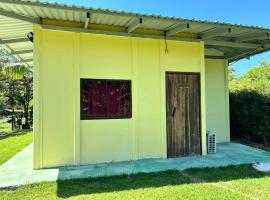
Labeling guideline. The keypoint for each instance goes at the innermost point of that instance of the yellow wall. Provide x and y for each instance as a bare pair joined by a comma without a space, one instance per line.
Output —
62,58
217,104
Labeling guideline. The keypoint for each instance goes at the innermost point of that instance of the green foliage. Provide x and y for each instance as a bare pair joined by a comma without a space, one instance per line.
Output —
232,74
15,86
3,99
15,72
5,57
250,105
256,79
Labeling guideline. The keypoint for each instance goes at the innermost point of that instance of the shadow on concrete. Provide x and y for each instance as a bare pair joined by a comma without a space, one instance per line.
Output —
69,188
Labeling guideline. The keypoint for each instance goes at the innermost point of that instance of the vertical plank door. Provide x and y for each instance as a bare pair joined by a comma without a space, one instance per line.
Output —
183,114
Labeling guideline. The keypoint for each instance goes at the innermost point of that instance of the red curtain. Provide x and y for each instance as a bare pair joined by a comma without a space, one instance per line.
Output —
118,98
105,98
97,98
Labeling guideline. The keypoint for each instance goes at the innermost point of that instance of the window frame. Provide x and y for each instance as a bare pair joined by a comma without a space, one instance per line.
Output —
128,116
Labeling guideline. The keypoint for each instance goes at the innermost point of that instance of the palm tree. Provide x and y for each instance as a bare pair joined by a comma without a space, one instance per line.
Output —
15,72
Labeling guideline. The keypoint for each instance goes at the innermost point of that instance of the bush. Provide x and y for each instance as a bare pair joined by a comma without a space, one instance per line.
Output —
250,105
250,116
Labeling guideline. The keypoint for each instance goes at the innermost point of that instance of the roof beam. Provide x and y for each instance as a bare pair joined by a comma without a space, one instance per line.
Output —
241,55
105,32
215,32
213,52
135,24
22,52
177,29
257,36
232,44
87,19
207,42
27,60
245,54
9,49
15,40
20,17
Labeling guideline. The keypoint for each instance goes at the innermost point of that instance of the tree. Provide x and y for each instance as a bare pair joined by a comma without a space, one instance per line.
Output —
232,74
25,96
15,85
10,93
2,89
257,78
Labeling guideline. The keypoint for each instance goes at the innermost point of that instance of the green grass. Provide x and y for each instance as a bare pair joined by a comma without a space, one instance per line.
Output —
234,182
12,144
4,126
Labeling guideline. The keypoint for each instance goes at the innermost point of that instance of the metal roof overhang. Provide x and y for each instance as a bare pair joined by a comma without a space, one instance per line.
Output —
222,40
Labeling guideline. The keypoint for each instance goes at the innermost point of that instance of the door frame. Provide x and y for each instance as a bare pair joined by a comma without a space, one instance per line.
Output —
200,124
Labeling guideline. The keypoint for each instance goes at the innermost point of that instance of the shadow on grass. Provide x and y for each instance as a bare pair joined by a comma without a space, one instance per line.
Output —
69,188
75,187
229,173
14,134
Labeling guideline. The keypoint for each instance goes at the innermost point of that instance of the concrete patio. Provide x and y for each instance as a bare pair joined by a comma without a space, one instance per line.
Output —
18,170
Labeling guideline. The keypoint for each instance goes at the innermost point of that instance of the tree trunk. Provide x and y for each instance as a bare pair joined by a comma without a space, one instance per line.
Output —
26,116
26,103
13,120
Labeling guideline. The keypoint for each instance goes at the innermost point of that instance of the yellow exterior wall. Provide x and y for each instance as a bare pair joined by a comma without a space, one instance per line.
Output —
62,58
217,104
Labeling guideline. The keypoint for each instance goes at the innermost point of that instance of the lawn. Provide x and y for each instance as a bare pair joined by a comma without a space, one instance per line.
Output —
4,126
234,182
12,144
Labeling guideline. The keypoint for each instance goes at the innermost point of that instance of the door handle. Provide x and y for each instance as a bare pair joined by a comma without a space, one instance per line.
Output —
173,112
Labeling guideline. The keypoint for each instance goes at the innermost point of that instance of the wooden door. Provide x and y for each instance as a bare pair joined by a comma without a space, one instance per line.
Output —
183,114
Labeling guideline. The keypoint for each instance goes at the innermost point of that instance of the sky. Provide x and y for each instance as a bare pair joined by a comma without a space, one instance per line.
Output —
246,12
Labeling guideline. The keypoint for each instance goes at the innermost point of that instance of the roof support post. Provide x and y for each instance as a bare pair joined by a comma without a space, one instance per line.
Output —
215,32
20,17
177,29
87,19
135,24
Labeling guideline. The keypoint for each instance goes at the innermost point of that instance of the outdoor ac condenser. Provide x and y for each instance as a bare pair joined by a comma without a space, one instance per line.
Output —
211,142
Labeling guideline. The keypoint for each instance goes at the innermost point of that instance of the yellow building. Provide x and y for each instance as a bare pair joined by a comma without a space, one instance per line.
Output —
112,86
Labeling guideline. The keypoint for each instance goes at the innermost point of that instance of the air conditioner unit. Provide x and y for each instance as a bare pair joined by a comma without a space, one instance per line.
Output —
211,142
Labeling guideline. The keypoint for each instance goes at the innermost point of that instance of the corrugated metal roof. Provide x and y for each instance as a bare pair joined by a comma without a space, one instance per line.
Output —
10,29
74,11
14,28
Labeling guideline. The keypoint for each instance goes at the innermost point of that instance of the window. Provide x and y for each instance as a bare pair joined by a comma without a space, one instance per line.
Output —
105,99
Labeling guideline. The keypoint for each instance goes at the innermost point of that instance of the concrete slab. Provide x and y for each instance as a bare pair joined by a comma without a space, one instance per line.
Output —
18,170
